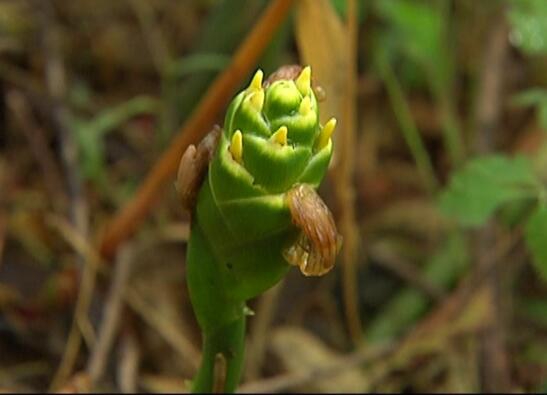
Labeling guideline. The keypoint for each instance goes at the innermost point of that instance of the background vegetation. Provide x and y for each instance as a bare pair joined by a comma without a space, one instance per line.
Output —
438,185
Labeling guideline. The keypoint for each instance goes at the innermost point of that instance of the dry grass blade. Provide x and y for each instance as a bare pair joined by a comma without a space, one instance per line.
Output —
128,219
405,270
316,22
111,317
163,325
87,284
299,351
37,140
2,235
334,65
260,327
3,219
129,360
219,375
494,358
288,381
152,34
56,82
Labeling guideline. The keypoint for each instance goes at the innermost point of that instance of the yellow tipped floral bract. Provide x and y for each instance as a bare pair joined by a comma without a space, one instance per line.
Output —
305,106
326,133
256,82
236,146
303,81
280,136
257,100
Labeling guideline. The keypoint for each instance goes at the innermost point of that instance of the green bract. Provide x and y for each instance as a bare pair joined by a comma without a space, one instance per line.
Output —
271,141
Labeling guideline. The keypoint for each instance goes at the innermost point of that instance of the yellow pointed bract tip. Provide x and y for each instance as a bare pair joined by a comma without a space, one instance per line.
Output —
303,81
256,82
326,133
280,136
236,147
257,99
305,106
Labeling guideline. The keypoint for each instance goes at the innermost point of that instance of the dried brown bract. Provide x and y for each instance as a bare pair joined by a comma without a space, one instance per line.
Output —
287,72
193,167
315,249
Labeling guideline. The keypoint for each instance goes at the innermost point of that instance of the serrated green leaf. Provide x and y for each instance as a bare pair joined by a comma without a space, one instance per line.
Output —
536,239
484,184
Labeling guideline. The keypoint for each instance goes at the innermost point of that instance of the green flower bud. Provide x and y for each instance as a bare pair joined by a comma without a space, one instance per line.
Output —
272,140
244,233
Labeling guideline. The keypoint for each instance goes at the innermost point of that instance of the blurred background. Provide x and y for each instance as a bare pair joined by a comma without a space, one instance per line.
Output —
438,185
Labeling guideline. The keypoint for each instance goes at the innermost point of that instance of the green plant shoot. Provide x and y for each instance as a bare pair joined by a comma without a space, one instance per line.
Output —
255,212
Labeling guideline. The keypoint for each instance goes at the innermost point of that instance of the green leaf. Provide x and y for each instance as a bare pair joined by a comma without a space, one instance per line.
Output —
528,20
341,7
228,21
416,27
535,97
90,133
197,62
534,310
530,97
486,183
415,35
536,239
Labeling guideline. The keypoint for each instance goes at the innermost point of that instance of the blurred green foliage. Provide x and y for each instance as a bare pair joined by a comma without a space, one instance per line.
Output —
485,184
529,22
488,183
190,75
418,33
414,28
534,97
90,133
341,7
445,265
536,237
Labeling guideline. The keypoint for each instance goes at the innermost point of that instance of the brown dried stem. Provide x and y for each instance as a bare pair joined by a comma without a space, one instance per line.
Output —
111,317
129,361
87,284
56,82
38,143
345,188
494,359
260,328
291,380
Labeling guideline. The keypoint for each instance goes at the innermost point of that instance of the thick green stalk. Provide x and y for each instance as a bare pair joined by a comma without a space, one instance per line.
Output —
221,318
224,348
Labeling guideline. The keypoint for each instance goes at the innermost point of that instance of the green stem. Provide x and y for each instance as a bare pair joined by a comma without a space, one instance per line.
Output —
227,343
442,87
450,129
408,127
221,318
